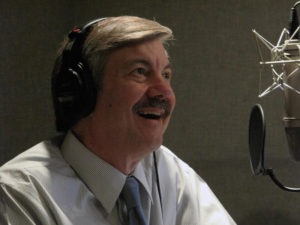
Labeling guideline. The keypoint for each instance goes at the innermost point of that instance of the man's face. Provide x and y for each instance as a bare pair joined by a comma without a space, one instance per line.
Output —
136,102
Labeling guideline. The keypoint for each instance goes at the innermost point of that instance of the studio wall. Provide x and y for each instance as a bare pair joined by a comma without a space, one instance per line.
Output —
216,81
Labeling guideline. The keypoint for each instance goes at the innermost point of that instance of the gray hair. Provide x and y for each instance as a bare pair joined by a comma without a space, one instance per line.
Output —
113,33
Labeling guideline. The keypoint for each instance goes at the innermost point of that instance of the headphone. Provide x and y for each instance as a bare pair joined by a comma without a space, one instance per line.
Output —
73,89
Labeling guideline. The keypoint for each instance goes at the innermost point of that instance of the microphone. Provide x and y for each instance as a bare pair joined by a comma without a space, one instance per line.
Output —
285,67
291,119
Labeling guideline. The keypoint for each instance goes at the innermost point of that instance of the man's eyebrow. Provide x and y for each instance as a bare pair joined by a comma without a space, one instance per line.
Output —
146,62
168,66
139,61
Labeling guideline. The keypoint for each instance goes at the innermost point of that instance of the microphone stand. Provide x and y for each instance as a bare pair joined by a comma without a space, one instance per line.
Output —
270,173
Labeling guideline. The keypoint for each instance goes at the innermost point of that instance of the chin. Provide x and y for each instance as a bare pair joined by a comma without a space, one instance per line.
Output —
156,145
149,141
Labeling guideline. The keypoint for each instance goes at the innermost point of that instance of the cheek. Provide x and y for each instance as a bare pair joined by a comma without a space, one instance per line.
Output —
123,100
173,101
131,94
123,95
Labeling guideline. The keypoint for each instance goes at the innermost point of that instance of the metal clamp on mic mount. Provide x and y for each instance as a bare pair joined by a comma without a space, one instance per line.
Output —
285,68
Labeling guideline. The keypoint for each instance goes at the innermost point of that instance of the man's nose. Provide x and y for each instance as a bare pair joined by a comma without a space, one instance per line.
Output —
160,88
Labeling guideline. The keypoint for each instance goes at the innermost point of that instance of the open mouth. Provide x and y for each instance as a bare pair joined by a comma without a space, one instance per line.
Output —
150,115
152,108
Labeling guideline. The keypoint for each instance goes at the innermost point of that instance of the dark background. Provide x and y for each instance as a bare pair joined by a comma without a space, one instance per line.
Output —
216,81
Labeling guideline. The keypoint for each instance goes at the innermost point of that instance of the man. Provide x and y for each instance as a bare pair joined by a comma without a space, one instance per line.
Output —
113,99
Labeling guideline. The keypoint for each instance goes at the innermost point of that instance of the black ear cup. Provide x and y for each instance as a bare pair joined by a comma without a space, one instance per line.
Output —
74,96
73,88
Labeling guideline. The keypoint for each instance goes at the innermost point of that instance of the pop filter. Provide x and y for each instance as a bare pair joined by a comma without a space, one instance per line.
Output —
257,133
257,139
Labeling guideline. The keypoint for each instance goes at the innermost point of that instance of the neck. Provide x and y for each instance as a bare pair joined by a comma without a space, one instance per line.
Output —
121,155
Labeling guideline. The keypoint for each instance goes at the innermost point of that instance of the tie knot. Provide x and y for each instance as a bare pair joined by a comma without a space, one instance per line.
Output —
131,196
131,192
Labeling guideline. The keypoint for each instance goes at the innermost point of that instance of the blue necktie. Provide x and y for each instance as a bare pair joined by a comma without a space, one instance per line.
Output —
131,195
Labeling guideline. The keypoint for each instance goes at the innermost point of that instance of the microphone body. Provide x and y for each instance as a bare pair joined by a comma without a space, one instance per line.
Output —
291,119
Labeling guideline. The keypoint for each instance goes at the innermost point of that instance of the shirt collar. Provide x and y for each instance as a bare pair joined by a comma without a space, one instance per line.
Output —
142,173
104,180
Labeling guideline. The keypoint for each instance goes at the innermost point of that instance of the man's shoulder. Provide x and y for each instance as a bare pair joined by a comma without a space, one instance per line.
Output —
44,154
182,187
169,158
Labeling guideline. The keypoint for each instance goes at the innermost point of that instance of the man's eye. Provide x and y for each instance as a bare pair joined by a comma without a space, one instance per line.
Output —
140,71
139,74
167,75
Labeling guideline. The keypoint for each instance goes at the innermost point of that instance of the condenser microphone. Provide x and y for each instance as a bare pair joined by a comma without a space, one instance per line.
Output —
285,67
291,119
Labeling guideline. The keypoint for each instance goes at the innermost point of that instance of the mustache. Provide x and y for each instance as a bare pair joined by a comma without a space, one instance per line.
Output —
155,103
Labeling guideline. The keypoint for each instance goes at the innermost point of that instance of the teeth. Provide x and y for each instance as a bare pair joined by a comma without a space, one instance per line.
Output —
150,115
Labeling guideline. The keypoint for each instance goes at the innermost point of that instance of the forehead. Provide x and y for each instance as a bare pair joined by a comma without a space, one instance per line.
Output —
152,51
